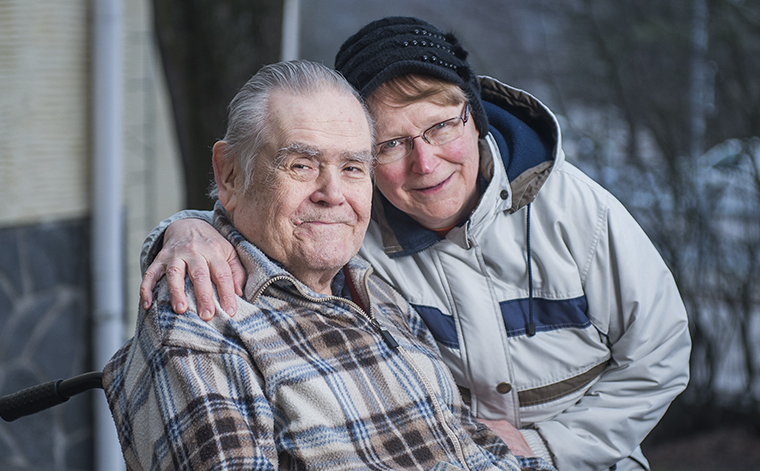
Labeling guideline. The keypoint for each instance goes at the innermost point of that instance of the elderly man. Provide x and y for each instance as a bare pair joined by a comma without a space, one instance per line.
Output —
324,366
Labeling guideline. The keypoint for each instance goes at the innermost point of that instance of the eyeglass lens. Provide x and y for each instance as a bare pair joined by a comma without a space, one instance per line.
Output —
437,135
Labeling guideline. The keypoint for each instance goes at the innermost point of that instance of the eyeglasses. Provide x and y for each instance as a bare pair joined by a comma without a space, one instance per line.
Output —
439,134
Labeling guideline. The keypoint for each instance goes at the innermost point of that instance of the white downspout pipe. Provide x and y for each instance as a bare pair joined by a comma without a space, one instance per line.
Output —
290,30
107,231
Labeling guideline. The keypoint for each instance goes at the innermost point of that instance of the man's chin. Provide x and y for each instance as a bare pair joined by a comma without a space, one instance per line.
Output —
328,258
317,268
320,237
327,246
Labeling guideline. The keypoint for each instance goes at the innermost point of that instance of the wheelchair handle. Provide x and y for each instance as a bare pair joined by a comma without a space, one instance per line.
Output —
46,395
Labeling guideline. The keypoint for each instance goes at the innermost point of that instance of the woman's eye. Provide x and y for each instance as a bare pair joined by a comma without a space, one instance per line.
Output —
392,144
446,125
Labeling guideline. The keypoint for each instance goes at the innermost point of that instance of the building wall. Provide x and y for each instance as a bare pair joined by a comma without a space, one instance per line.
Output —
45,205
44,103
44,278
153,186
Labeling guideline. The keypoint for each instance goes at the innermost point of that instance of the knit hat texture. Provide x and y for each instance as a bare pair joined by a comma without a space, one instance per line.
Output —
394,46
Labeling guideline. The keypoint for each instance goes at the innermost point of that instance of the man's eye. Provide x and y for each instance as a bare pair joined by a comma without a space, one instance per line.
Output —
355,168
300,166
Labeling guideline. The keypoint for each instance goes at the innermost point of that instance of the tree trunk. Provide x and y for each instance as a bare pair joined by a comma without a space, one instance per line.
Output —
209,49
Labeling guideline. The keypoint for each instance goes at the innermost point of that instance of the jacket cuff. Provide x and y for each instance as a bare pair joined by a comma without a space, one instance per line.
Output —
537,444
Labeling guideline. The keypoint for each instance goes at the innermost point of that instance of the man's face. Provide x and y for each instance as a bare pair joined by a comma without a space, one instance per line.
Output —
308,205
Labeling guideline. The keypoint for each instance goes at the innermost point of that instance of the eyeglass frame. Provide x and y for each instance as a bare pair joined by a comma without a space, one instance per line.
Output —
464,116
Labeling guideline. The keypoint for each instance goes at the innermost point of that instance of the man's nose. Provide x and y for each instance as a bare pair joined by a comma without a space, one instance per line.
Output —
329,188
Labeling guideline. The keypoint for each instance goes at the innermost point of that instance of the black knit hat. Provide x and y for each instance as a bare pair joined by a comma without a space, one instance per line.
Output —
394,46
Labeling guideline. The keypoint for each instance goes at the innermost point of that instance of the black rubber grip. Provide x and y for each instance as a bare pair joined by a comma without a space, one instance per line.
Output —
31,400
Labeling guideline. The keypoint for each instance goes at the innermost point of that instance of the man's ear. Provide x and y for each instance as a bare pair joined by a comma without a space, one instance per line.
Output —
227,176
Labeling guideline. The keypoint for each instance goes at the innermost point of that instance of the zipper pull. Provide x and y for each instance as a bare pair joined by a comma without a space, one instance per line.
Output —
389,340
392,344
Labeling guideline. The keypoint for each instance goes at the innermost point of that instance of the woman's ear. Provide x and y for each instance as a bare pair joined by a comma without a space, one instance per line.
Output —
227,176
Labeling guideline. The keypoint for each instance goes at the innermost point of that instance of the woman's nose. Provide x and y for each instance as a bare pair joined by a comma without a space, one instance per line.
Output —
424,158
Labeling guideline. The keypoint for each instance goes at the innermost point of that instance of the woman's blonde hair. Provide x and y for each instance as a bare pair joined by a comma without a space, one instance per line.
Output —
413,88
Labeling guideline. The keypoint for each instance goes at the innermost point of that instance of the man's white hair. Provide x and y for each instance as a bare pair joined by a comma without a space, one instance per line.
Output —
248,129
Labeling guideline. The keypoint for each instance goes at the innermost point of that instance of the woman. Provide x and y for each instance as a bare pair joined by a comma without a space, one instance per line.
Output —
553,310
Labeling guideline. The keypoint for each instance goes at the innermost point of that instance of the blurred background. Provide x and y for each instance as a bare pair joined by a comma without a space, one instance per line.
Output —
109,109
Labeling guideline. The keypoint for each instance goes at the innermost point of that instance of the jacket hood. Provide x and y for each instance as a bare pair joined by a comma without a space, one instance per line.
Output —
527,141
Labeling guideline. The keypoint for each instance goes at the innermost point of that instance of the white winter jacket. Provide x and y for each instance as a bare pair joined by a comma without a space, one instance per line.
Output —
547,252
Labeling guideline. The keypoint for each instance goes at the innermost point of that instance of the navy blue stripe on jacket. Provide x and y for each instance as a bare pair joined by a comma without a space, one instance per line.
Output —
548,314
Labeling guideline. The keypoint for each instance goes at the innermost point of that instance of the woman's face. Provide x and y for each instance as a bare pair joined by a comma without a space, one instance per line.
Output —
435,185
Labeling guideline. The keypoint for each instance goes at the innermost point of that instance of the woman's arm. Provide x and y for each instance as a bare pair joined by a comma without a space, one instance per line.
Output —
192,247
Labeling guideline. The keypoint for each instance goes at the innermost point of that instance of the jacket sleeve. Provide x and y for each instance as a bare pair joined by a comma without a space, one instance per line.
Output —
634,303
181,408
154,241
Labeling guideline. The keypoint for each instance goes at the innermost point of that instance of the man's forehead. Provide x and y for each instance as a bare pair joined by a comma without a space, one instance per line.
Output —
331,108
311,104
325,125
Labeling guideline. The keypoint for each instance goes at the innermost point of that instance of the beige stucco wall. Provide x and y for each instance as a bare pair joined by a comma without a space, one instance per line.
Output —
44,162
153,187
45,129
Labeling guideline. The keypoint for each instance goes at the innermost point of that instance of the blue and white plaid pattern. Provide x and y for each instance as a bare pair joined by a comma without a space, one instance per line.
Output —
296,380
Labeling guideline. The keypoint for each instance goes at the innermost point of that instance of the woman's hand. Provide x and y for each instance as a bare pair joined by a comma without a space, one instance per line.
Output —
194,247
510,435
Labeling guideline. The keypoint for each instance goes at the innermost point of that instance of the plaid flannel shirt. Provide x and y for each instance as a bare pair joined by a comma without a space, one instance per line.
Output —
296,380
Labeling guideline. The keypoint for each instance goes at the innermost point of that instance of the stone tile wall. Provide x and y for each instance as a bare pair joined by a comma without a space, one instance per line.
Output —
44,312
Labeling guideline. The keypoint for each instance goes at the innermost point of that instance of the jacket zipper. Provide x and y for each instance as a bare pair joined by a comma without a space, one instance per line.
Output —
384,333
392,344
423,379
438,409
